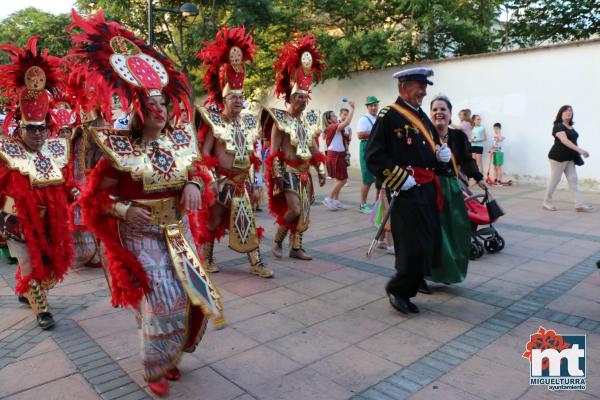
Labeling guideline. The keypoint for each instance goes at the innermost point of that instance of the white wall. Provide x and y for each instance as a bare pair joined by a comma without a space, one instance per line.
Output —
523,90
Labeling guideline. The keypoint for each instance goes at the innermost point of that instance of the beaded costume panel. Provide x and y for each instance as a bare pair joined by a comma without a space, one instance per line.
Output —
159,165
43,167
302,130
239,137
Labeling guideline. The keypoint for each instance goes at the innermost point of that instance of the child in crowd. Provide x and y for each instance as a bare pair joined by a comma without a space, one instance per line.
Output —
498,155
478,139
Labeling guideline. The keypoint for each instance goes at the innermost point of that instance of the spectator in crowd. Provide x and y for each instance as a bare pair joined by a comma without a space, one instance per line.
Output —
478,138
365,124
498,155
564,155
336,141
465,122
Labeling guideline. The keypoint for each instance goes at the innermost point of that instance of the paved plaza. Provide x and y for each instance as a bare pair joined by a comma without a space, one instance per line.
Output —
325,330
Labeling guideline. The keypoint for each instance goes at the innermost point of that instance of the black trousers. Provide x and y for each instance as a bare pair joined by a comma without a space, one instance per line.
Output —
415,225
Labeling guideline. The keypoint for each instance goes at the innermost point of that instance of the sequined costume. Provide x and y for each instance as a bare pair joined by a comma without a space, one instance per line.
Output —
229,142
32,181
154,268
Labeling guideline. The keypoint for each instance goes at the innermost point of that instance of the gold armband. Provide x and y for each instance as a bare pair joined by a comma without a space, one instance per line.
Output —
199,183
119,209
277,168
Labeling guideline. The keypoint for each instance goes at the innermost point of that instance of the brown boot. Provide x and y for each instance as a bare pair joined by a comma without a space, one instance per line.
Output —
276,247
296,250
36,296
207,253
257,267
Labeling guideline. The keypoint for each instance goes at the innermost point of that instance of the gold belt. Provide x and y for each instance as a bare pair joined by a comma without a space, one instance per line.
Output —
9,207
165,211
301,168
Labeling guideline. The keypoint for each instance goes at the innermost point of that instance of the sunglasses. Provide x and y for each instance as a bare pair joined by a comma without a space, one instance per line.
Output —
32,129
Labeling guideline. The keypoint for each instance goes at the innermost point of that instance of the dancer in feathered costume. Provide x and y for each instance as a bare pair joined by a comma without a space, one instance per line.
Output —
33,173
293,144
138,197
229,137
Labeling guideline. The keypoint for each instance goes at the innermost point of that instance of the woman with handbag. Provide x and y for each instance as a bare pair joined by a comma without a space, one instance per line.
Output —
564,155
337,147
455,224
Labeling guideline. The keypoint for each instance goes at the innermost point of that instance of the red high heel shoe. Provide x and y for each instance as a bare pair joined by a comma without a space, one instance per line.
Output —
159,388
173,374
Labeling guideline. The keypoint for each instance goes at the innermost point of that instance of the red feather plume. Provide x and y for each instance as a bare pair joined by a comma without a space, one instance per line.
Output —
289,61
215,54
92,68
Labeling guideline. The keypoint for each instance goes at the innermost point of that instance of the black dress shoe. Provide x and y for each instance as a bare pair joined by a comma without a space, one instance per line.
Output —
424,288
412,307
13,260
399,303
45,320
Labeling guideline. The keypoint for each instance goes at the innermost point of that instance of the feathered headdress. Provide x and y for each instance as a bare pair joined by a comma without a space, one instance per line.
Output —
63,108
26,79
224,59
110,60
298,61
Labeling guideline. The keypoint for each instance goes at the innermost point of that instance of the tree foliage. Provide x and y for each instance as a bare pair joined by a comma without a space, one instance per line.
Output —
536,21
354,35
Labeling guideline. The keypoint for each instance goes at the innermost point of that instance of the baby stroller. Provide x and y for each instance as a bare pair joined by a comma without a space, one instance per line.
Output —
478,214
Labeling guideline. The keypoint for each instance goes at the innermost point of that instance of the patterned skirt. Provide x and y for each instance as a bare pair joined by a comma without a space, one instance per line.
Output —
168,323
336,165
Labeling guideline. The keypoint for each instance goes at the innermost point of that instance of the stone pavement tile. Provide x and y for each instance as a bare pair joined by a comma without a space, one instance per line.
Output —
528,277
542,393
374,285
97,309
500,287
442,391
435,326
592,371
301,385
473,280
227,296
348,276
245,396
337,247
398,345
506,259
241,309
46,346
470,311
205,384
277,298
48,366
228,275
560,258
109,324
487,379
255,366
70,387
248,286
586,291
350,297
121,345
22,324
381,310
288,276
554,267
315,267
217,345
442,294
314,286
576,306
266,327
307,346
131,363
349,327
355,369
79,288
483,267
531,326
311,311
12,316
507,350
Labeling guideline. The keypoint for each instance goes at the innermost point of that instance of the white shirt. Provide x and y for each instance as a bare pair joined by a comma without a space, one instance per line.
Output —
365,123
337,143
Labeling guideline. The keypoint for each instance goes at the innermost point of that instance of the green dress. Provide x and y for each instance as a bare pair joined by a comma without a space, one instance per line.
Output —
456,235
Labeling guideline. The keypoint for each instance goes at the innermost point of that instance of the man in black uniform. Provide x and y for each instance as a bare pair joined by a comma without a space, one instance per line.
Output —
403,153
